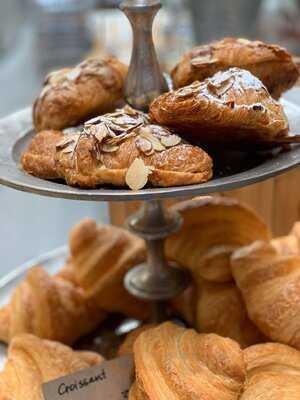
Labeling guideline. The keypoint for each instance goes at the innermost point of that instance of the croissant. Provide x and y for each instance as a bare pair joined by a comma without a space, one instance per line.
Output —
220,309
211,307
175,363
231,107
39,157
120,149
127,346
101,255
270,285
213,227
50,308
33,361
72,95
272,64
273,372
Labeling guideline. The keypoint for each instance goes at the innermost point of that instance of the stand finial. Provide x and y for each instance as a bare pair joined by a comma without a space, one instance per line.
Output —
145,80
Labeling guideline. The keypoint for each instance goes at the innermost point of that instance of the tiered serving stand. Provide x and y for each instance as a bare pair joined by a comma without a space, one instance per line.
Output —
155,281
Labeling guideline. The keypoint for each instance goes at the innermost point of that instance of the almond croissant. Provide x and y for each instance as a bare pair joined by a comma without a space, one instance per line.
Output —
101,255
72,95
231,107
273,372
213,227
33,361
121,149
270,285
272,64
50,308
175,363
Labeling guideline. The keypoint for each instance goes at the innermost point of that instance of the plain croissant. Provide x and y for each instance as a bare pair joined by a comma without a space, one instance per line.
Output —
273,372
101,255
213,227
219,308
270,285
175,363
33,361
50,308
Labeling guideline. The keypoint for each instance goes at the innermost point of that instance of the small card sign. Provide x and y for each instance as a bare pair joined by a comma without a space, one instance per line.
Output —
109,380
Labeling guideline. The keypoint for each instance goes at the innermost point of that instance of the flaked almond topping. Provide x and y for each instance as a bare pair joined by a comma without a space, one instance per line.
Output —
64,143
137,174
144,145
106,148
74,74
171,140
93,121
146,133
100,132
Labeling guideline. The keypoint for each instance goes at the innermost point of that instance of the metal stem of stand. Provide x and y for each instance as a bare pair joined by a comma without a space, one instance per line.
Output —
156,280
145,80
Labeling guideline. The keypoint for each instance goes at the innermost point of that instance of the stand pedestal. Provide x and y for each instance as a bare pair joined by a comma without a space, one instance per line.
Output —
156,280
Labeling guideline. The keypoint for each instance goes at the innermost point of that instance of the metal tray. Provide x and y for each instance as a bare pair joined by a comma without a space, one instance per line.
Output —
232,170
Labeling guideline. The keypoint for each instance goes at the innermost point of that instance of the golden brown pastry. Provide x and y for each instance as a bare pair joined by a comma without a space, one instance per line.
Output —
50,308
101,255
232,107
212,228
273,372
175,363
270,285
220,309
72,95
121,149
39,158
127,345
32,362
272,64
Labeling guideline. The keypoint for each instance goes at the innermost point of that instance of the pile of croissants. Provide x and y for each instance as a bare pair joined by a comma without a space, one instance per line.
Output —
243,308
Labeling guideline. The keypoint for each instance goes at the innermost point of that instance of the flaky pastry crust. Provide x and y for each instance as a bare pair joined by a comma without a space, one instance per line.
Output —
50,308
73,95
272,64
119,149
230,107
175,363
33,361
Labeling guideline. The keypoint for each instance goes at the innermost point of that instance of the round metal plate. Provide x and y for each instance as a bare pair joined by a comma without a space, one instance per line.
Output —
232,170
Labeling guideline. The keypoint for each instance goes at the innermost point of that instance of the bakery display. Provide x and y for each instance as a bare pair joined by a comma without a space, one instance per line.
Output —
73,95
213,227
50,308
120,149
231,107
33,361
173,362
100,257
244,283
272,64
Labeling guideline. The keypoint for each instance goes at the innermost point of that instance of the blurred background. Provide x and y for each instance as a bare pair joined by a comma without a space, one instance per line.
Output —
37,36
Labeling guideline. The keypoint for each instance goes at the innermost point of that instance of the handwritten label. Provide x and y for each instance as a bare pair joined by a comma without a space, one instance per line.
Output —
109,380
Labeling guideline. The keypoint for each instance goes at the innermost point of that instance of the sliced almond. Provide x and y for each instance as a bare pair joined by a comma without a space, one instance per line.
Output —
143,145
137,174
99,132
171,140
93,121
73,74
106,148
64,143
